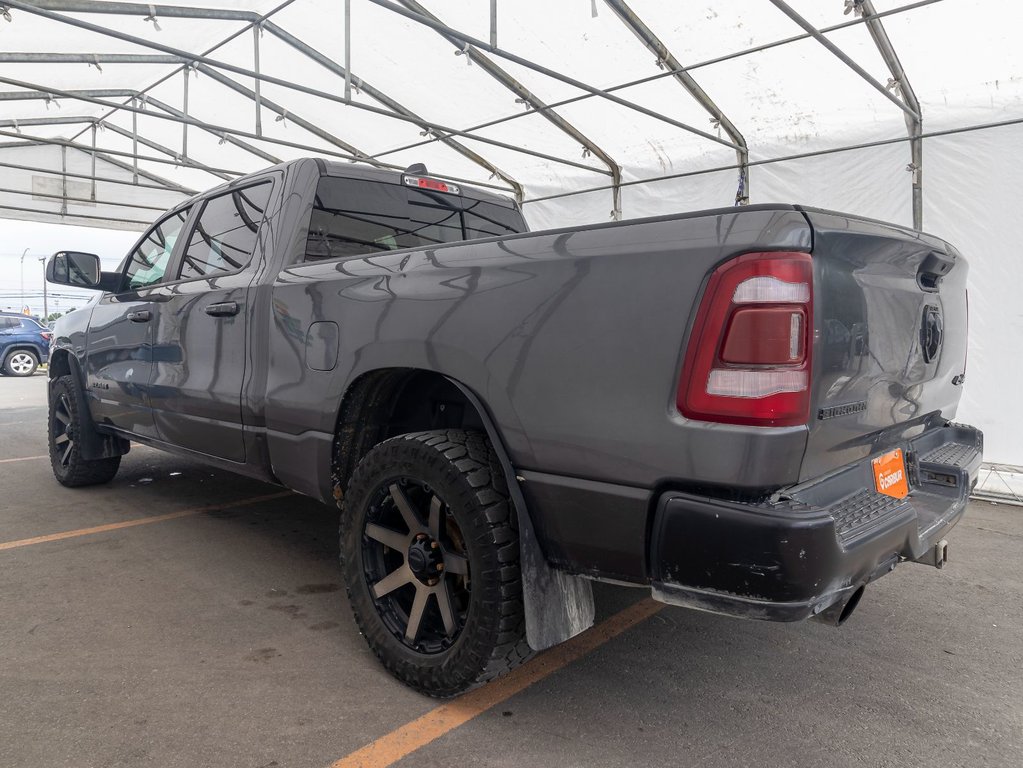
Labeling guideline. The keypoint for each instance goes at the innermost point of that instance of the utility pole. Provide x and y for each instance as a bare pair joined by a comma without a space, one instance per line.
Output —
46,305
22,307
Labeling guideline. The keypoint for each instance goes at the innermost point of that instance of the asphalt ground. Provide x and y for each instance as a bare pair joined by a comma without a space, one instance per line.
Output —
221,636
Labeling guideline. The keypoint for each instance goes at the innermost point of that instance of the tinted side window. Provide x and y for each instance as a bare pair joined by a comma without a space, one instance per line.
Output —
148,263
352,217
225,234
9,323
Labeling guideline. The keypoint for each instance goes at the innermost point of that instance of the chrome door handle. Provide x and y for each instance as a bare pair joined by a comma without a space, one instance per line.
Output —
139,316
225,309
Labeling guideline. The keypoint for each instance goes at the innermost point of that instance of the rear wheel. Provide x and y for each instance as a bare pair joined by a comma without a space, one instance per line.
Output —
21,362
65,431
430,554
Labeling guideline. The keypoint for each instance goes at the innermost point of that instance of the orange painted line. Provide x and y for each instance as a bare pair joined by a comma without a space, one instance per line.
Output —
403,741
138,521
23,458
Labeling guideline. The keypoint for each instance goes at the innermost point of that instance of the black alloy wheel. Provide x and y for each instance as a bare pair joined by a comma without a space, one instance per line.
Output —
65,431
415,565
430,552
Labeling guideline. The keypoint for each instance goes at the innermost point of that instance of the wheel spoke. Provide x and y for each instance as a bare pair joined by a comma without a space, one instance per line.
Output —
415,617
67,451
60,440
408,514
456,564
60,416
434,525
399,577
447,612
387,537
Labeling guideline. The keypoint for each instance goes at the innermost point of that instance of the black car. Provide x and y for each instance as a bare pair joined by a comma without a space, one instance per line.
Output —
24,344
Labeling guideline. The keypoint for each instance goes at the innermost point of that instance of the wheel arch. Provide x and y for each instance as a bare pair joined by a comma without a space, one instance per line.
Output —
384,402
94,444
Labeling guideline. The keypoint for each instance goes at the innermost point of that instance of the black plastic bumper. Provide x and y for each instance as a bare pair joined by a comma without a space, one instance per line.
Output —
817,544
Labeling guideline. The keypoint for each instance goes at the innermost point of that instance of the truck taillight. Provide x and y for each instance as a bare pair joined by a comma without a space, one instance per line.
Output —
748,359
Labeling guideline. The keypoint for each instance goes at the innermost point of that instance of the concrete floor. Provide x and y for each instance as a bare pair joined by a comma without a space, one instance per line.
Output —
224,639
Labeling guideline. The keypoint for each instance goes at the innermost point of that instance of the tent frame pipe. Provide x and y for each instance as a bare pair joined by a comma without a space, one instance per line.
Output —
283,114
816,34
245,72
180,159
914,122
41,91
670,73
375,93
175,158
259,23
473,42
87,200
505,79
55,214
105,180
256,32
665,58
46,8
788,158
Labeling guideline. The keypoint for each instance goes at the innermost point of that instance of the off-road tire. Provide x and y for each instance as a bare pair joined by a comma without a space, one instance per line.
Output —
20,358
462,469
69,467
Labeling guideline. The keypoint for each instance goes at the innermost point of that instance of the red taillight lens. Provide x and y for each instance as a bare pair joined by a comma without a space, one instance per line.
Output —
748,359
47,336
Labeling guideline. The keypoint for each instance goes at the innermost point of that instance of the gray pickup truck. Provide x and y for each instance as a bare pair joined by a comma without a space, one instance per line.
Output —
745,410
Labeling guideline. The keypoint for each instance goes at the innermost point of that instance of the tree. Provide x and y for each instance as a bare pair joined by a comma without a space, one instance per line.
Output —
53,316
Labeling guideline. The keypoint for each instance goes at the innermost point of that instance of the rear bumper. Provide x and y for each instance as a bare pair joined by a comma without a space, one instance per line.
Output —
816,545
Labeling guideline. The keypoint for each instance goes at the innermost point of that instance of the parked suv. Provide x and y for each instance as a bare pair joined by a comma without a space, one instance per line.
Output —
24,344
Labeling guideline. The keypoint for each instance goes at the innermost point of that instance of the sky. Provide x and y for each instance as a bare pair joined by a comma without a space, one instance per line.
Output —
42,240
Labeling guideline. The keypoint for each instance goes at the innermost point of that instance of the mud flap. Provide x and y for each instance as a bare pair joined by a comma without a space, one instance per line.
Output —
558,605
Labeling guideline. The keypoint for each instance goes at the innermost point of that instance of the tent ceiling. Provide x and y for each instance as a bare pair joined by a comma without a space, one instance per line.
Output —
110,111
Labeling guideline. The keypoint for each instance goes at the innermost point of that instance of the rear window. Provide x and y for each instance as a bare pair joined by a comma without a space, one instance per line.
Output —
352,218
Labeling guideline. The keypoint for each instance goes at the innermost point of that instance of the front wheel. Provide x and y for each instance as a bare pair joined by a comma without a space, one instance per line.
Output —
66,429
21,363
430,553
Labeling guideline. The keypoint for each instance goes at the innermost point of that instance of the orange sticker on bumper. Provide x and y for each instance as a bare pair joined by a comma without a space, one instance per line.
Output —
890,474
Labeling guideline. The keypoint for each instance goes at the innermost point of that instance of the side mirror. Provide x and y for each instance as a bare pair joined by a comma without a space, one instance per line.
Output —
81,270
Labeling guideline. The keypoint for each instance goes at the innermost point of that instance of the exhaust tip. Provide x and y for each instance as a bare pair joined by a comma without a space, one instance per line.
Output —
838,612
850,606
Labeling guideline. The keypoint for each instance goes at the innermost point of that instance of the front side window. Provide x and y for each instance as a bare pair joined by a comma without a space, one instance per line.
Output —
148,263
224,237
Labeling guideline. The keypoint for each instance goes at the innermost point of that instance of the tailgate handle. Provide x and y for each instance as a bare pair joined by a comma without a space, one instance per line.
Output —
225,309
932,269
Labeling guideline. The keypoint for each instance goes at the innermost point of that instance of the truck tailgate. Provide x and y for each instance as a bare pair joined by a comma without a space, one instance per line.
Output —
890,312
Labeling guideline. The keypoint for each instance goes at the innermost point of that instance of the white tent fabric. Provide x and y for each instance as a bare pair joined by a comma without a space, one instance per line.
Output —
108,122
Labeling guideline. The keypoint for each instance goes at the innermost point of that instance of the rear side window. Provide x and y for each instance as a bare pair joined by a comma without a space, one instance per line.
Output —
148,263
224,236
10,323
352,218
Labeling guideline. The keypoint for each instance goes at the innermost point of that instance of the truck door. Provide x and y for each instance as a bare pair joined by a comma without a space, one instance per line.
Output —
199,334
119,358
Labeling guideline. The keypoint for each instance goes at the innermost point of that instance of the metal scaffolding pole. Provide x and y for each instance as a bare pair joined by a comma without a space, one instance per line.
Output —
914,122
665,58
